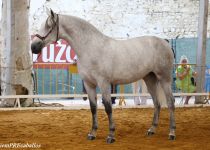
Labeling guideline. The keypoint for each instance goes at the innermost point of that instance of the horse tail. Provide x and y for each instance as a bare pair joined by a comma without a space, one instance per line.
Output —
161,96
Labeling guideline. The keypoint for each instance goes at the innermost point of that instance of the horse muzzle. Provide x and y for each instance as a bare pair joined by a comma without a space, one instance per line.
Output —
36,47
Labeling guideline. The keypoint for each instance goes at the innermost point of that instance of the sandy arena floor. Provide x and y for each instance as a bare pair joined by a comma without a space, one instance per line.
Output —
67,129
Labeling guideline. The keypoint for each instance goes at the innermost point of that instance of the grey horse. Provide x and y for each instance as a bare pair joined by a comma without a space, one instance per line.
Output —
103,61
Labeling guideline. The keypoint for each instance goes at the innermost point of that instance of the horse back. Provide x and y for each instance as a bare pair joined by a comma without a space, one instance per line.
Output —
135,58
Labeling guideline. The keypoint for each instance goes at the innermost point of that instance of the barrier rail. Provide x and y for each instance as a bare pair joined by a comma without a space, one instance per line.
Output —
98,95
17,97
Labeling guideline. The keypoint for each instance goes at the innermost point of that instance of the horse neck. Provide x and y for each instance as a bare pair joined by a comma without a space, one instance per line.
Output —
79,34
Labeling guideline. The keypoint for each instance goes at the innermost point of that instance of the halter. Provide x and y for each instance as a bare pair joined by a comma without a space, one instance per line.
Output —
56,24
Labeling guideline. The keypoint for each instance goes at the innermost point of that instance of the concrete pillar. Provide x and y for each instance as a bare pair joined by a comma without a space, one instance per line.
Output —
201,50
16,59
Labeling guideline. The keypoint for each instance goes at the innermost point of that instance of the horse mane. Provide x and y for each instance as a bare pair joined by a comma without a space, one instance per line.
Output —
83,25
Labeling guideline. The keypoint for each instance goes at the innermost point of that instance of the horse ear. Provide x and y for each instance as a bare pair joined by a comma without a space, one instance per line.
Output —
52,13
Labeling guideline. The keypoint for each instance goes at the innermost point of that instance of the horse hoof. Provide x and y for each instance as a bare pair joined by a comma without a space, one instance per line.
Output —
110,140
91,137
150,133
172,137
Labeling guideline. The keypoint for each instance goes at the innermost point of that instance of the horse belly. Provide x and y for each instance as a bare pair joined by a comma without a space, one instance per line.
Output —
130,75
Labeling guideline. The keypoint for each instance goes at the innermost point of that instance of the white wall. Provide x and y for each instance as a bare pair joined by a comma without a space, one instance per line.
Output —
127,18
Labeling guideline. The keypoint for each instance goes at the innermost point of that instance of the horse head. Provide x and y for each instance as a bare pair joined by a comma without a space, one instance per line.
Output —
48,33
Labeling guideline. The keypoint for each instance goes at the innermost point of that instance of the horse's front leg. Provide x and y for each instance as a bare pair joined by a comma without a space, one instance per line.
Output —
106,97
108,109
91,91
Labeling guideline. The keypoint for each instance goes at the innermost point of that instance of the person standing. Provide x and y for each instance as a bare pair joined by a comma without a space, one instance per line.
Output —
185,77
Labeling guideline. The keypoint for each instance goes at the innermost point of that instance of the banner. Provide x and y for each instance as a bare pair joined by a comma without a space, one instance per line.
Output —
56,56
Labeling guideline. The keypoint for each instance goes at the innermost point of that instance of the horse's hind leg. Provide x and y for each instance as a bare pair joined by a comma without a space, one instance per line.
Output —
91,91
170,102
106,96
152,85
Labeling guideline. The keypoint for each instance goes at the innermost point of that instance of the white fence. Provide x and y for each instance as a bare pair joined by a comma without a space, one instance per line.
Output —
18,97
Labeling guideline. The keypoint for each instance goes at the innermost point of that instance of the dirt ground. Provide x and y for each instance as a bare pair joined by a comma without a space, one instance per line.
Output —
67,129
